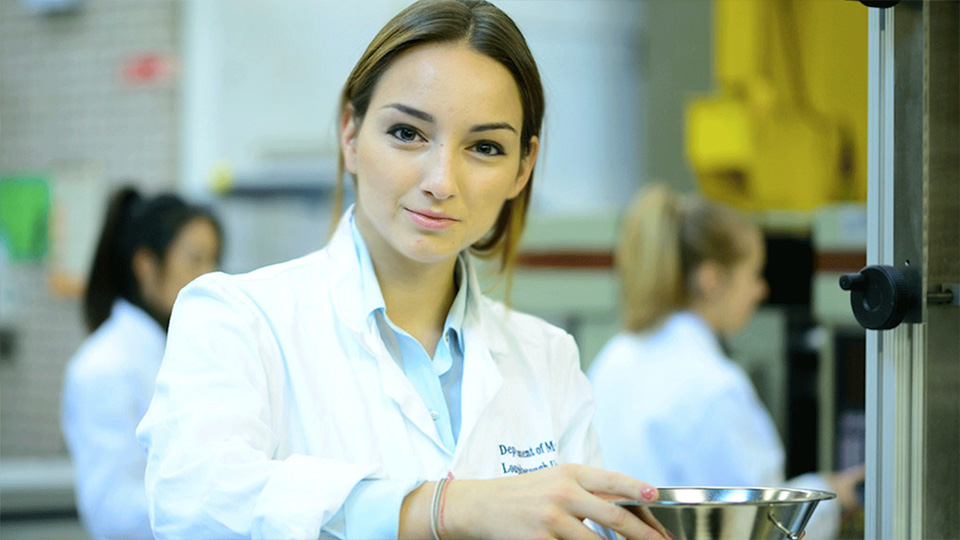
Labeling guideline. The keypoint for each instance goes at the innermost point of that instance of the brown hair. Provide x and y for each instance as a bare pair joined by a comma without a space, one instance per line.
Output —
489,31
664,238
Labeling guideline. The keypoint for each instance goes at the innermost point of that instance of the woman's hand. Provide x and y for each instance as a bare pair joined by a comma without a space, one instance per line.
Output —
549,503
844,484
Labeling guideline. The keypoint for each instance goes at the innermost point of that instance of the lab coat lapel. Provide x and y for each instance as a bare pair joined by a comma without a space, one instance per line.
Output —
397,387
482,379
349,311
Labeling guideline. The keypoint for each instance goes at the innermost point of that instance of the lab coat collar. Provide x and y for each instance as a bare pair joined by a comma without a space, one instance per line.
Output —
689,327
372,297
124,310
347,280
139,327
481,376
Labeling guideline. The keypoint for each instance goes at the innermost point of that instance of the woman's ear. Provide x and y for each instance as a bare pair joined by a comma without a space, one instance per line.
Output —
707,279
146,270
526,167
348,139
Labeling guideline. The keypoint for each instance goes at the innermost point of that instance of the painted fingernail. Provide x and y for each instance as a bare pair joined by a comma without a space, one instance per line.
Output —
649,493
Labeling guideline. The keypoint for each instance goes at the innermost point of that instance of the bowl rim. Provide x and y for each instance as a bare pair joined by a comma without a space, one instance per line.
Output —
807,495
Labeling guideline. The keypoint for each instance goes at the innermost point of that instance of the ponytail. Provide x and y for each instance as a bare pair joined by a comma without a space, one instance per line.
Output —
111,276
133,222
664,238
648,258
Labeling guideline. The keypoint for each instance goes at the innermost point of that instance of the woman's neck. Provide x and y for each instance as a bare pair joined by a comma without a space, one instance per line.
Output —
418,298
713,317
417,295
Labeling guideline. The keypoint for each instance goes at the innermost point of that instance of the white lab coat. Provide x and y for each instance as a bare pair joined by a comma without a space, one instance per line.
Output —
277,396
672,410
107,387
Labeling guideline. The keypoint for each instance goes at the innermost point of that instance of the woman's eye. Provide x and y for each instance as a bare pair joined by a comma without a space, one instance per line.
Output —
489,149
404,133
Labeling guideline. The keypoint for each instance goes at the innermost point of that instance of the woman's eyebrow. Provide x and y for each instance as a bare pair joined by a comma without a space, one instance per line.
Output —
488,127
406,109
427,117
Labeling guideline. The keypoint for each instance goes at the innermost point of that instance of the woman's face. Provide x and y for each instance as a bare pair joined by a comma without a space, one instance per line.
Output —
744,287
437,153
192,253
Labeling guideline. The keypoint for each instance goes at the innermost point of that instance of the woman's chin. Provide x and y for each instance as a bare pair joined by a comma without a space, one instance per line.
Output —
423,251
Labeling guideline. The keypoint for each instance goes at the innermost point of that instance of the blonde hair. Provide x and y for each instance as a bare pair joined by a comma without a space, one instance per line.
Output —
489,31
664,238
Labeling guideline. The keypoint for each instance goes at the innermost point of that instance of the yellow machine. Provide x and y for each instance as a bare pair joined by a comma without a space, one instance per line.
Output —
788,128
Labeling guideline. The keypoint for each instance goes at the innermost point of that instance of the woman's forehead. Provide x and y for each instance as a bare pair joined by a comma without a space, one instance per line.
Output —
445,79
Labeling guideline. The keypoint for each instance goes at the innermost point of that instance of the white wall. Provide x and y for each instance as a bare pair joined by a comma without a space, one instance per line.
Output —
261,81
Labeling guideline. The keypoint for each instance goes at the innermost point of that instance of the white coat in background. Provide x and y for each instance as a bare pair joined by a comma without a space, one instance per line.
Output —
277,396
673,410
106,390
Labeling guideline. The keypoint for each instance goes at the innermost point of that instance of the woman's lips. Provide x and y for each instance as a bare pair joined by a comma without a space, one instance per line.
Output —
430,220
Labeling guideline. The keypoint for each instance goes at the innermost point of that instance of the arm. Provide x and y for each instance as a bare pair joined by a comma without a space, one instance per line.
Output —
731,440
99,419
211,437
549,503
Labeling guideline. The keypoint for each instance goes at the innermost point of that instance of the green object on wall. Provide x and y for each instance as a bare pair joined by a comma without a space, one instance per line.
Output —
24,216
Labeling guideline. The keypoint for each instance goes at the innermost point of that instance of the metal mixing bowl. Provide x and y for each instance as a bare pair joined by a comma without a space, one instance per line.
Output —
729,513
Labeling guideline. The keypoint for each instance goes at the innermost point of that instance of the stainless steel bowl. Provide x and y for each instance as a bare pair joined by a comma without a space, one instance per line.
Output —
729,513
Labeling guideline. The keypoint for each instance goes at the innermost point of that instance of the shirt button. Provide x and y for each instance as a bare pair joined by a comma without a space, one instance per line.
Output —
434,415
446,337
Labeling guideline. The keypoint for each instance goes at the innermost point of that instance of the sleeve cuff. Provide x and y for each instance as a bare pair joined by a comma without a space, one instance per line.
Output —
373,508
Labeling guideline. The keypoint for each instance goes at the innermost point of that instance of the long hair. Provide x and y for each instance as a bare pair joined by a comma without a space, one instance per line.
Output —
664,238
131,223
489,31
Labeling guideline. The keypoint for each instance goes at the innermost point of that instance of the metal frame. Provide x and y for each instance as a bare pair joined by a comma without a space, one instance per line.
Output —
912,382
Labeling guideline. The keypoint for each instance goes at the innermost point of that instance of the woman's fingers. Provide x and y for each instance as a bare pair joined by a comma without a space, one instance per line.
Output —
613,485
647,516
633,522
605,486
551,503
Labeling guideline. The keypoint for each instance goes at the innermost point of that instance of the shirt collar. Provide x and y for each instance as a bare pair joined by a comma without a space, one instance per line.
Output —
694,329
371,297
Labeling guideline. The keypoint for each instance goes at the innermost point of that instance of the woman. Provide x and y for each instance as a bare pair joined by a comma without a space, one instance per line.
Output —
671,407
369,390
148,250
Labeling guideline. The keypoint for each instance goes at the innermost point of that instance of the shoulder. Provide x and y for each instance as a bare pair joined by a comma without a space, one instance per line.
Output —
622,351
522,330
273,278
264,289
105,355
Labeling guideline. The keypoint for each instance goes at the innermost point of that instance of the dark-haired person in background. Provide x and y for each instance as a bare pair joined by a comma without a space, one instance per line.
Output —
148,250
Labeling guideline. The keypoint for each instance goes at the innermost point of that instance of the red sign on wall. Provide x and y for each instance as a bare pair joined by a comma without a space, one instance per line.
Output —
148,70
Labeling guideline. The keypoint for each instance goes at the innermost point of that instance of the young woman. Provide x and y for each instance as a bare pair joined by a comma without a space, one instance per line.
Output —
148,250
671,407
369,390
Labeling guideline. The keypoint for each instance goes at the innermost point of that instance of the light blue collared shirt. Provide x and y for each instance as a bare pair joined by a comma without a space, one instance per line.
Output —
373,508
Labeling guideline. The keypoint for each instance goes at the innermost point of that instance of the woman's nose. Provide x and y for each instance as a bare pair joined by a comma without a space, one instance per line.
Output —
441,177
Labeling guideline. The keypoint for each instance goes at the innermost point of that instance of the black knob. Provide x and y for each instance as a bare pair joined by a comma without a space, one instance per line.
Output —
880,3
880,296
850,282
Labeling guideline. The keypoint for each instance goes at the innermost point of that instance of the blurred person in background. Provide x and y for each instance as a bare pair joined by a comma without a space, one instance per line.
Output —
148,250
671,407
369,389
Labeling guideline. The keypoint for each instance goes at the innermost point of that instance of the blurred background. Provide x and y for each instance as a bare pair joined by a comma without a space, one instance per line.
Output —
758,104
